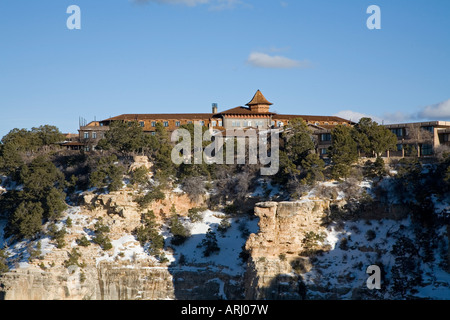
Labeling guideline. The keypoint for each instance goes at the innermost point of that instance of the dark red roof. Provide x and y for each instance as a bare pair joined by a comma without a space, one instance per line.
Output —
309,118
243,111
157,116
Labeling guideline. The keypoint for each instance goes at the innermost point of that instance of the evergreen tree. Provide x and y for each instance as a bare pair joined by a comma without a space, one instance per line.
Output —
26,221
298,142
3,263
313,168
163,157
209,244
107,173
179,231
46,135
295,157
148,233
39,177
54,204
125,137
343,151
373,138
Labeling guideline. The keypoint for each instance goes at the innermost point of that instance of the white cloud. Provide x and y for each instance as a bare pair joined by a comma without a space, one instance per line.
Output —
263,60
438,111
224,4
355,116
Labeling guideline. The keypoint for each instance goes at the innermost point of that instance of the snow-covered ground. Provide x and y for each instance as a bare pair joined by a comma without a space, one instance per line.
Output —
227,260
352,252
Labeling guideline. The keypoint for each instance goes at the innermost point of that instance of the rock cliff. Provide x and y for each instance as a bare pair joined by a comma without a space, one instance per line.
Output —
274,250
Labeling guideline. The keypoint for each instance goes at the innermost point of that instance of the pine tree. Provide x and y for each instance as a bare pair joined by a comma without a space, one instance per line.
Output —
298,142
26,221
373,138
313,168
343,151
3,262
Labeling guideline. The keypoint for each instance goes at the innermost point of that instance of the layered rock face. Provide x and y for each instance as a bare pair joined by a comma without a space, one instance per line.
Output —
122,273
274,250
108,281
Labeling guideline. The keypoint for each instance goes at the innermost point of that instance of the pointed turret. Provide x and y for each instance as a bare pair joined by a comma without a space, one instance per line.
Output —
259,103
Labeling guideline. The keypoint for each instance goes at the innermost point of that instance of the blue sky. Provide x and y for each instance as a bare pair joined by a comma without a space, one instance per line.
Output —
314,57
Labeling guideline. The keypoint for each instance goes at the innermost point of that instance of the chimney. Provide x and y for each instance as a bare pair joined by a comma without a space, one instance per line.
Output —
214,108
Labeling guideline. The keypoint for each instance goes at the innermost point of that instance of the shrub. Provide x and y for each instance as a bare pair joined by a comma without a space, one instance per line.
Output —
153,195
101,238
370,235
148,233
83,241
209,244
179,231
139,176
26,221
3,263
327,192
57,235
74,255
194,187
107,173
34,253
351,188
195,214
223,226
311,242
343,244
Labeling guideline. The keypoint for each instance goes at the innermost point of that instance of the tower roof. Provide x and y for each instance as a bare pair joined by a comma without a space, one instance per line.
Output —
258,98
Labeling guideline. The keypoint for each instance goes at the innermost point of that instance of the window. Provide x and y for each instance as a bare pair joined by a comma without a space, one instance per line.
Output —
94,135
189,122
236,123
220,123
202,123
323,151
166,123
177,123
247,123
153,123
398,132
153,133
86,135
427,149
213,123
279,124
447,137
325,137
141,123
428,128
272,123
399,147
